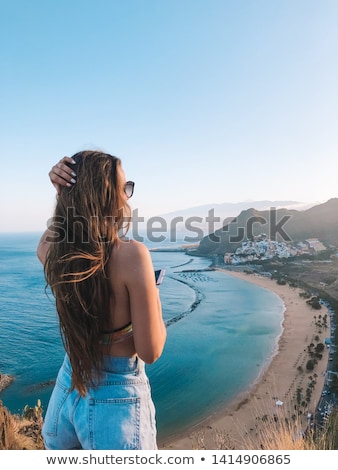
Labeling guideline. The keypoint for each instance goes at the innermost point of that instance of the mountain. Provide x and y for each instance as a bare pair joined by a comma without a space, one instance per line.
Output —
231,209
290,225
195,222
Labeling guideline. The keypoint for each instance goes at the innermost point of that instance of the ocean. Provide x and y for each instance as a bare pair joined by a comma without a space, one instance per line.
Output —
222,331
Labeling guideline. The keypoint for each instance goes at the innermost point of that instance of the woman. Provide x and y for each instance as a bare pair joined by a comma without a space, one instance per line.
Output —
109,311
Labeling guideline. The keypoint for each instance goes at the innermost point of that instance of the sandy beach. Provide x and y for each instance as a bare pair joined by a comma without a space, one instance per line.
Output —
275,391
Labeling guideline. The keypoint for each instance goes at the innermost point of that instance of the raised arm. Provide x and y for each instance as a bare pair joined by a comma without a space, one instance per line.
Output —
46,239
60,175
43,246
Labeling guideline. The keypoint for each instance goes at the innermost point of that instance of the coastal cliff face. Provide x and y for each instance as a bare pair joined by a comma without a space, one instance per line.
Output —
320,222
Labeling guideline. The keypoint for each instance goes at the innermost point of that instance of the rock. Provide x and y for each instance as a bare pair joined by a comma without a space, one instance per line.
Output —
5,380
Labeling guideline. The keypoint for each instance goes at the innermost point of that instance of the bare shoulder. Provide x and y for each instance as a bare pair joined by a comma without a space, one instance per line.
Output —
132,249
130,257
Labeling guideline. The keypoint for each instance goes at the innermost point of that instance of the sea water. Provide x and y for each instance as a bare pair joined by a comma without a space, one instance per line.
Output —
221,331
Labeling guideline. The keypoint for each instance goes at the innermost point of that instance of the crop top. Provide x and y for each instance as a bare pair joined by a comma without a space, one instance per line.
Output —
118,335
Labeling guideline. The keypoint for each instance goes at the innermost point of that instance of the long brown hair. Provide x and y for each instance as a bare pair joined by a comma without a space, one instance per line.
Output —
87,221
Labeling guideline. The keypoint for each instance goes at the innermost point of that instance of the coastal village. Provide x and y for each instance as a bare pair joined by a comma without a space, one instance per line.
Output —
261,248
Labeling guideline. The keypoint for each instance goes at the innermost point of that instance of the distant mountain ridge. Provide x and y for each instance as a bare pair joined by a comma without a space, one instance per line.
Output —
196,222
319,221
231,209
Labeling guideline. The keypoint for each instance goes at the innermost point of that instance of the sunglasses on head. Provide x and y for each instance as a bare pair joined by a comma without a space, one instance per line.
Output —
129,188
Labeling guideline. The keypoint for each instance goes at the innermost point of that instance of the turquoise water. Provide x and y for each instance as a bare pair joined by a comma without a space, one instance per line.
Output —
213,351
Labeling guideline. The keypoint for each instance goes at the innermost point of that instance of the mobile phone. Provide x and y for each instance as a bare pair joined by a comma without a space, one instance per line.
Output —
159,275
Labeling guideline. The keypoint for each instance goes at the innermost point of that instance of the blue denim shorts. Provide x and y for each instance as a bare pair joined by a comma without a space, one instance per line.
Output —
118,414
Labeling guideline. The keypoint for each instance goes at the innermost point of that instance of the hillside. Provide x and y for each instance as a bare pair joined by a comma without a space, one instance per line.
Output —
320,221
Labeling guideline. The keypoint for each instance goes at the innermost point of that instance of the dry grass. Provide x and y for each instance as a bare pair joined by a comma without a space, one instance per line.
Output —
273,432
281,434
21,432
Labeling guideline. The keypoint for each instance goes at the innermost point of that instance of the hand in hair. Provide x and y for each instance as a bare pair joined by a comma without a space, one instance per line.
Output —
62,175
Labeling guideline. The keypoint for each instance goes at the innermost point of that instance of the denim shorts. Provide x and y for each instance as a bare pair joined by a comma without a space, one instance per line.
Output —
117,414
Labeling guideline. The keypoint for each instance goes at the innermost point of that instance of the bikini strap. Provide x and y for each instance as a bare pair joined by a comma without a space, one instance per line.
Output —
118,335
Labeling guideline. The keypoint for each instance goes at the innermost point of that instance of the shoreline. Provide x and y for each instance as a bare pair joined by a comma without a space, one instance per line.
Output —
285,372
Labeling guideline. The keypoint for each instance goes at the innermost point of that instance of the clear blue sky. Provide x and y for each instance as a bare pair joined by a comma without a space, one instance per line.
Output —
205,101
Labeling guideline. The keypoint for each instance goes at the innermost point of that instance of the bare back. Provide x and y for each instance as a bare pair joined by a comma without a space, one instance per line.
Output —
135,299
